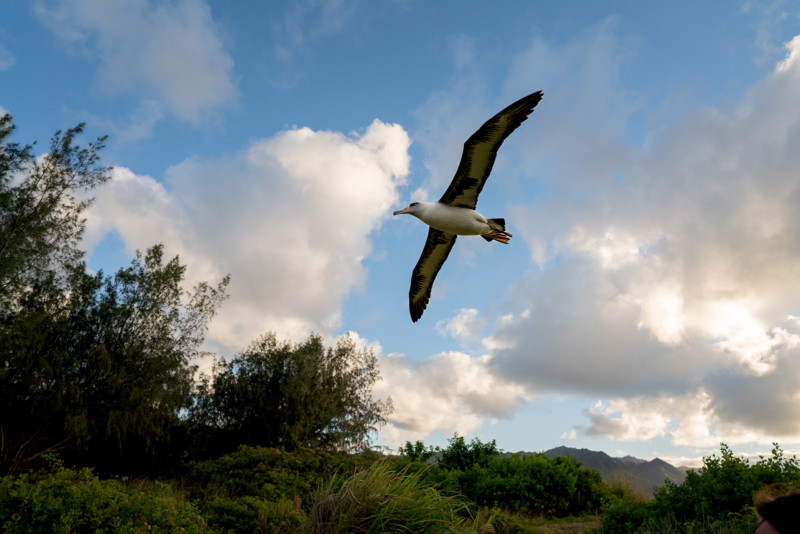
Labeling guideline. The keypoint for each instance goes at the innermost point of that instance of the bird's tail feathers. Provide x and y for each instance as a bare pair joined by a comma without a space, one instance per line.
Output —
498,232
498,224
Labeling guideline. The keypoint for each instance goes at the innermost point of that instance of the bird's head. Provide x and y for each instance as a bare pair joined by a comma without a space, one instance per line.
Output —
413,209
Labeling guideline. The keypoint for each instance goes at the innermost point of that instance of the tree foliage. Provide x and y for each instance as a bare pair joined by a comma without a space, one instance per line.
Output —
40,207
96,364
716,497
725,484
525,483
237,490
58,499
102,366
417,451
462,455
536,484
302,395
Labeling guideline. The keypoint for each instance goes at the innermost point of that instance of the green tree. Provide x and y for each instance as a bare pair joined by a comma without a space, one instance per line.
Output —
41,206
103,366
460,455
279,394
417,451
717,497
725,484
536,484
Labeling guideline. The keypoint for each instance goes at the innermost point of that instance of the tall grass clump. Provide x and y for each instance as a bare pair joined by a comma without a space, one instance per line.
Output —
381,499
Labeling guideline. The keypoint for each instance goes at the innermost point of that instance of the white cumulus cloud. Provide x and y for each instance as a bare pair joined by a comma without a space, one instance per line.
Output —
448,392
289,219
173,49
466,326
664,276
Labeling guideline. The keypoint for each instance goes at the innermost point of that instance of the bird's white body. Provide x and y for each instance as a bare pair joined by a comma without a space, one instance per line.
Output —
459,221
454,214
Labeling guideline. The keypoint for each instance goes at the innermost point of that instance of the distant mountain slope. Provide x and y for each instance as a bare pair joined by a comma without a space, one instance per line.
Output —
641,474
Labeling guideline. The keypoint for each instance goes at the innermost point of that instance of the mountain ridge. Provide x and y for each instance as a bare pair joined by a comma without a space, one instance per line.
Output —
643,475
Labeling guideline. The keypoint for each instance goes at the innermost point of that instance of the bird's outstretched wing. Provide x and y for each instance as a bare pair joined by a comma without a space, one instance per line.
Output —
480,151
436,250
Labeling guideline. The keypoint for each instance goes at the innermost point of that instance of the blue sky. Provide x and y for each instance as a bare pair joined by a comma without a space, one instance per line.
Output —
648,303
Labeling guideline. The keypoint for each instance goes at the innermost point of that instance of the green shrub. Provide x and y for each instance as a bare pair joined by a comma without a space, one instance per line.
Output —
251,514
725,485
66,500
628,515
716,498
259,489
503,522
533,484
270,474
462,456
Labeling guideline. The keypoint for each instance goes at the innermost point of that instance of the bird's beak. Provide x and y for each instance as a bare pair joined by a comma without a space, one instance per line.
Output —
404,210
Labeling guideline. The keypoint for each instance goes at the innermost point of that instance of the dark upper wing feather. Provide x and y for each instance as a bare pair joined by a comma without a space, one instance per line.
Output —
480,151
436,250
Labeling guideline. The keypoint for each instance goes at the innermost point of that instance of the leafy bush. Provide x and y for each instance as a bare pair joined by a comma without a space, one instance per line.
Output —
725,485
716,498
462,456
267,473
535,484
628,515
258,489
66,500
417,451
532,484
279,394
251,514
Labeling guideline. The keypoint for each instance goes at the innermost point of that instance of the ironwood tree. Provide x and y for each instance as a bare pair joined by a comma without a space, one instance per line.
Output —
95,366
279,394
101,370
41,202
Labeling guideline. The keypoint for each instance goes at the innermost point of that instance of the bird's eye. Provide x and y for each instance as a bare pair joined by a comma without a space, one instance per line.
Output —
414,204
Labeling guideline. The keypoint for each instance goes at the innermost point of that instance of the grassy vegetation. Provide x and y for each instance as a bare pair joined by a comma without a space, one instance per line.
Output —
259,490
383,499
266,490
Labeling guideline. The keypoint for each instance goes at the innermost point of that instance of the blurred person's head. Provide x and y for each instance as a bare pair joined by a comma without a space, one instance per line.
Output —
778,507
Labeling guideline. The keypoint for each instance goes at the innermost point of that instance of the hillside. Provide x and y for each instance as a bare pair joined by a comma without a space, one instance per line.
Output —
641,474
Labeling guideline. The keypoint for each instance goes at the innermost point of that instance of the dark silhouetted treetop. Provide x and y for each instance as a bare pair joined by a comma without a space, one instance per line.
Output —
41,201
291,395
101,369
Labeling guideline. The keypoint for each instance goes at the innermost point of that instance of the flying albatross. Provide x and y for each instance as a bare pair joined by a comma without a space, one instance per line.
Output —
454,214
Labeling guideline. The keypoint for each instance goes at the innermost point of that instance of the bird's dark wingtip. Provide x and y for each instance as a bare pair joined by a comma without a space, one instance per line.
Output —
416,310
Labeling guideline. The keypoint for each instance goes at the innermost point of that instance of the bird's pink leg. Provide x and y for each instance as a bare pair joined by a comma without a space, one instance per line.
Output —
499,235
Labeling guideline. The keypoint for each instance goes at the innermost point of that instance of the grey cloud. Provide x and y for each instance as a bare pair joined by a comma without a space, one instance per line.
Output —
766,404
601,425
576,334
663,269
